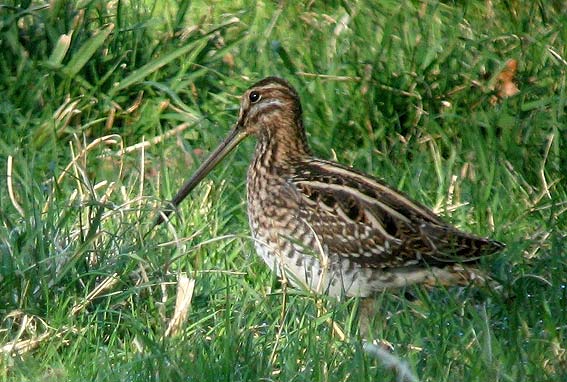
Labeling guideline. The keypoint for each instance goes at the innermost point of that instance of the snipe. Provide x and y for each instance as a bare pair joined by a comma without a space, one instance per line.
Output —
327,226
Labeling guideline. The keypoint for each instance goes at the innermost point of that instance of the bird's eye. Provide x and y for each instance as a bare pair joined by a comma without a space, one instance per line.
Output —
254,97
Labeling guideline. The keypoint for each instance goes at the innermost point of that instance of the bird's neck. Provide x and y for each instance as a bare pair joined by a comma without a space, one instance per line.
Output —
280,147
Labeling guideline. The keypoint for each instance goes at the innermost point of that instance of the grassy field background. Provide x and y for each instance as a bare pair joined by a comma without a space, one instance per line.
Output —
106,107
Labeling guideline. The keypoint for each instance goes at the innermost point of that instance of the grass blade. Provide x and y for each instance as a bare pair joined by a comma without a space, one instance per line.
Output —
86,51
141,73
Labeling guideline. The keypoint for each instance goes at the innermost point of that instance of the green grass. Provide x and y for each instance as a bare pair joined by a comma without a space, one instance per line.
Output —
405,90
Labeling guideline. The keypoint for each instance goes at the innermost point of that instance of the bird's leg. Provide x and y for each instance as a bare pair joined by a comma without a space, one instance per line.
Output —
366,314
367,317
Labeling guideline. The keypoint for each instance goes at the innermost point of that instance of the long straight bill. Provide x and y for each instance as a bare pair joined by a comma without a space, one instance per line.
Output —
230,142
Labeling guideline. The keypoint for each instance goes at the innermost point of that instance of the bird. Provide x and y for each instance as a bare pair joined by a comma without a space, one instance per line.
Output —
328,227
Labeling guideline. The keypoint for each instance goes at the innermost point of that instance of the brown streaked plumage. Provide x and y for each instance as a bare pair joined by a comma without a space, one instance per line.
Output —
327,226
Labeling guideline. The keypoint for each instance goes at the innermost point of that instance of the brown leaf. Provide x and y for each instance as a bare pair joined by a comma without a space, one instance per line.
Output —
228,59
505,81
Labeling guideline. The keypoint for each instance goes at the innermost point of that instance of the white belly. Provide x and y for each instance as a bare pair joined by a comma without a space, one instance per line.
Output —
317,274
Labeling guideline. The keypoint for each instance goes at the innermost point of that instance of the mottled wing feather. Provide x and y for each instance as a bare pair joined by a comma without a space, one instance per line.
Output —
360,217
343,225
